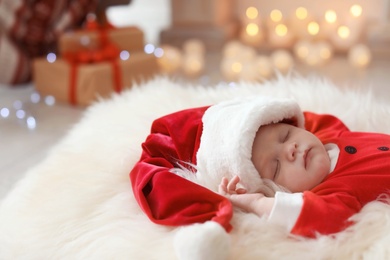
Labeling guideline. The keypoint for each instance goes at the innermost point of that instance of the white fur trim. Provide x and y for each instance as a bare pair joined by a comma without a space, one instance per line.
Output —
202,241
229,129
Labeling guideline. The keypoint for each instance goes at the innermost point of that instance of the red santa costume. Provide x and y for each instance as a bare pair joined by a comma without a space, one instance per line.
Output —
216,142
360,174
213,142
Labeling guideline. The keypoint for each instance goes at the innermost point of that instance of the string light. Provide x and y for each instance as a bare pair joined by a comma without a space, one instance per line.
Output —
356,10
124,55
252,29
149,48
301,13
313,28
276,15
281,30
24,116
330,16
51,57
252,13
343,31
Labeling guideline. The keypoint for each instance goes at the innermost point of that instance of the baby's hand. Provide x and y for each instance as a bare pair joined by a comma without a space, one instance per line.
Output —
230,187
251,202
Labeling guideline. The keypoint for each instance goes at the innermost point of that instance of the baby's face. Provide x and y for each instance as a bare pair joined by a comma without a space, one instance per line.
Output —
290,156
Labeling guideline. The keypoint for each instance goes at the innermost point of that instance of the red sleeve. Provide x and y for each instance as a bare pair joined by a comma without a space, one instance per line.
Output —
325,214
325,127
166,198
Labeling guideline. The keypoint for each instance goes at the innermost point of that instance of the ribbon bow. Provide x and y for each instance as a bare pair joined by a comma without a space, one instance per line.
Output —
107,51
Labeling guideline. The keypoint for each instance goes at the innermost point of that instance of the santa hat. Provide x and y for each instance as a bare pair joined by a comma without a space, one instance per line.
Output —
229,130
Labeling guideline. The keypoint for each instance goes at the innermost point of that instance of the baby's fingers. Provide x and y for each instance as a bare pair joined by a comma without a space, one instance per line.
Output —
231,186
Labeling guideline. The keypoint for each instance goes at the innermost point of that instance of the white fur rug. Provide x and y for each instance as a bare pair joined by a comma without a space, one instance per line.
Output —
78,203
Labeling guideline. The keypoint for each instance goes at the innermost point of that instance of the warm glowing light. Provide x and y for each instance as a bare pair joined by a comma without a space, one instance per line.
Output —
281,30
302,52
330,16
301,13
252,29
359,56
356,10
313,28
251,12
325,53
343,32
236,67
276,15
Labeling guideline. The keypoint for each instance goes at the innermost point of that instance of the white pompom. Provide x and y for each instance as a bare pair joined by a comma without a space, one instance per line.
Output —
202,241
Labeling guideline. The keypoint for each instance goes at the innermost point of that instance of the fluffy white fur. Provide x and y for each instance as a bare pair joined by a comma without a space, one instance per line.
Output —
229,130
78,203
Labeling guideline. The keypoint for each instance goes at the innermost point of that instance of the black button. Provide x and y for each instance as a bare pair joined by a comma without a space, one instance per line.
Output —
383,148
350,149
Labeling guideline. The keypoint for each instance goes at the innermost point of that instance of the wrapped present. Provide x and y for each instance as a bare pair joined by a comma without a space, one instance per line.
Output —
83,82
129,38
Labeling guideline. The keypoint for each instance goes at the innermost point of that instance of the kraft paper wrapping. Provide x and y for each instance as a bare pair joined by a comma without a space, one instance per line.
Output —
93,80
125,38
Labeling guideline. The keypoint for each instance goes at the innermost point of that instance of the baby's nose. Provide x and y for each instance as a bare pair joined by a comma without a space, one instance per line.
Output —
291,151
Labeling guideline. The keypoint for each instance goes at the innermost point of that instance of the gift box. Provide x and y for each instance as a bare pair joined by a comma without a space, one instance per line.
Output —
83,83
129,38
202,12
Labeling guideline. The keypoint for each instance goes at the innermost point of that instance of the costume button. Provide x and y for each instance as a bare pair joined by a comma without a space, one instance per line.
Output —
383,148
350,149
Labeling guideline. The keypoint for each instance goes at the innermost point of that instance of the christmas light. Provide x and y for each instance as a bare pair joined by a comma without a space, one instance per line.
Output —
124,55
276,15
50,100
343,31
158,52
301,13
252,29
149,48
330,16
31,122
251,12
356,10
313,28
51,57
281,30
4,112
35,98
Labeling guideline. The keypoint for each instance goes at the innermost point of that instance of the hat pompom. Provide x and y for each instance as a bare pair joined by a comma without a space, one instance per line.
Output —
229,130
202,241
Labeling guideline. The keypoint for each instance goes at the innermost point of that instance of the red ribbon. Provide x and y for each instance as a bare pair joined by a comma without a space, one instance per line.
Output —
107,51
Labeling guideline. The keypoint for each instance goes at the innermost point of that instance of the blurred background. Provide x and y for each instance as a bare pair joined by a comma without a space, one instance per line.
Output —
58,57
